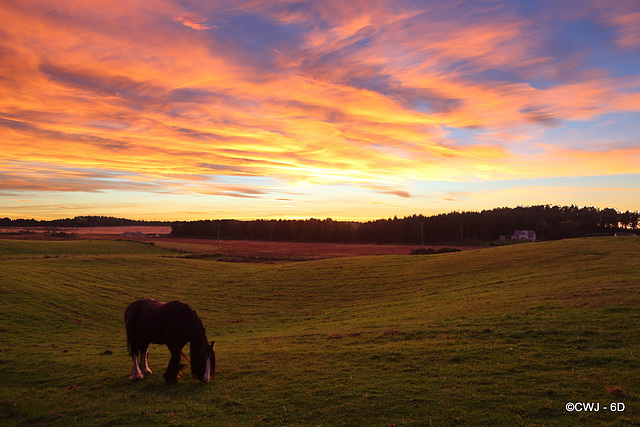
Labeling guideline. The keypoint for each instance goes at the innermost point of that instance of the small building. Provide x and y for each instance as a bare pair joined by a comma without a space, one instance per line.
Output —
524,235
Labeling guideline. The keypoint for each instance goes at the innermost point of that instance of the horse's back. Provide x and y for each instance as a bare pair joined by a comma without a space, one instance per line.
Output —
141,315
134,309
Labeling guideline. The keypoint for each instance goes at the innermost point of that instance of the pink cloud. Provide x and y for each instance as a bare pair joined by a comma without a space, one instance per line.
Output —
194,21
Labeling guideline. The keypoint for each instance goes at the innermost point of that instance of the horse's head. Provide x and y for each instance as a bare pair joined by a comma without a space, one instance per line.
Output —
203,364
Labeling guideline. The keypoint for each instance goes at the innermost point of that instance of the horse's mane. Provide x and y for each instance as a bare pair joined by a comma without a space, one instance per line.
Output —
180,308
182,311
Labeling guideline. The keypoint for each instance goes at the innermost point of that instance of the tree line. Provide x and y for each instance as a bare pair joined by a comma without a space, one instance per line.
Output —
80,221
549,222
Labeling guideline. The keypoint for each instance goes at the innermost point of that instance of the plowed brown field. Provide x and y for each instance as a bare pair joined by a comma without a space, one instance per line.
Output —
273,250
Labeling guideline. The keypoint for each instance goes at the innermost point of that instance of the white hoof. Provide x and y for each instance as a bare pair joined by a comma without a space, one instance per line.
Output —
136,376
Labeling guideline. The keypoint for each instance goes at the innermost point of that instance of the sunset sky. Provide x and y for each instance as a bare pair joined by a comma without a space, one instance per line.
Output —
354,110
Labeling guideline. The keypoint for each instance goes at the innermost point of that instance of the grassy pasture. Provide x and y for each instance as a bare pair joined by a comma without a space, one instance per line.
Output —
502,336
20,249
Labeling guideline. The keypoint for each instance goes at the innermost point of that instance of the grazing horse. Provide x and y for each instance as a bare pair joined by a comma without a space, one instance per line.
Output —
174,324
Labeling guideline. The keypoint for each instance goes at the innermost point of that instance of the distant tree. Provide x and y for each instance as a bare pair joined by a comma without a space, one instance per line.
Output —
543,230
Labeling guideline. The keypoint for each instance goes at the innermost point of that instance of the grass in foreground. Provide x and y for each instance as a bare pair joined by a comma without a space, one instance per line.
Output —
497,336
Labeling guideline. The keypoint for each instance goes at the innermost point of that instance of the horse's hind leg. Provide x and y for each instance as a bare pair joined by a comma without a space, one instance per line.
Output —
144,357
136,374
135,353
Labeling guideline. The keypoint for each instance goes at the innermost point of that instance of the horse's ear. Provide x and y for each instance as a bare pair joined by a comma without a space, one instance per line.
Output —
213,344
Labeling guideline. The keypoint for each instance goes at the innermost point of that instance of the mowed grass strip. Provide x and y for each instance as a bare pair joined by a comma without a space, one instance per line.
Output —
497,336
17,249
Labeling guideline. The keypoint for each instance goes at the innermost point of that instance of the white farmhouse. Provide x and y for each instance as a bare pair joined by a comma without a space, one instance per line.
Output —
524,235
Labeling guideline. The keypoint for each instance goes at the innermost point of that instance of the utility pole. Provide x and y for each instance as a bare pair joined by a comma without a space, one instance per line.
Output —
218,236
422,233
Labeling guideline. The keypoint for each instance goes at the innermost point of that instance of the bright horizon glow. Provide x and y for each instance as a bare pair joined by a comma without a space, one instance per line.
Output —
359,110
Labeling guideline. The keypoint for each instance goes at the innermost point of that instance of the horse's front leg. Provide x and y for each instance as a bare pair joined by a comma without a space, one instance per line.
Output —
144,357
171,374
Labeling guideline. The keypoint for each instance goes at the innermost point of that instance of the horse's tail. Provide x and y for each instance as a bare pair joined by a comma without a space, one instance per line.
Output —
130,318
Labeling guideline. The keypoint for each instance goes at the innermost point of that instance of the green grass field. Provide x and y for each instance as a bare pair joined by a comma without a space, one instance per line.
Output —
499,336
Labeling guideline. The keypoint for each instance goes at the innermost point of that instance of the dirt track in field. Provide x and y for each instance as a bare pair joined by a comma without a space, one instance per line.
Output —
278,250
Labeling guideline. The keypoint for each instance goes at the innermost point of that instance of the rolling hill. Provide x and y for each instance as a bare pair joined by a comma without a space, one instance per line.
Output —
505,335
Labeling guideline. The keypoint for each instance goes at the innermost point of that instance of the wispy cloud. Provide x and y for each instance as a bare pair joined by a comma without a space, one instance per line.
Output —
194,21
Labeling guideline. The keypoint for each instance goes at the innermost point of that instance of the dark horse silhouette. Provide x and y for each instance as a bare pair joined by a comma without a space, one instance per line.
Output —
174,324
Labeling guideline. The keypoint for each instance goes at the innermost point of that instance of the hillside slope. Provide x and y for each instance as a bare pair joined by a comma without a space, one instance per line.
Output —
496,336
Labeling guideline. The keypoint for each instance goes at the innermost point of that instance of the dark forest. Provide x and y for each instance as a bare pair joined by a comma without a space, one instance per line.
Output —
549,222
